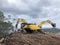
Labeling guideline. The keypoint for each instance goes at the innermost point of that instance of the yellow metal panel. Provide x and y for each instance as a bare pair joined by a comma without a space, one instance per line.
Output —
34,27
26,26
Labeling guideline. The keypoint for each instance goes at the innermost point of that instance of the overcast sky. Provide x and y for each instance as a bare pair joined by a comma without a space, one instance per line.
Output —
33,11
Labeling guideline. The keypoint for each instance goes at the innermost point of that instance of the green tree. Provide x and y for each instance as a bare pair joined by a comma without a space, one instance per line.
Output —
4,26
2,16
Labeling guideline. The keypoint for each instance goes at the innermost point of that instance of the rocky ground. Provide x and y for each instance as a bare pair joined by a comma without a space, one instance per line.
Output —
32,39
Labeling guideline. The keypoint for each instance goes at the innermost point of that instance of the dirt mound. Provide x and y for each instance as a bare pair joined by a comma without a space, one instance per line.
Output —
33,39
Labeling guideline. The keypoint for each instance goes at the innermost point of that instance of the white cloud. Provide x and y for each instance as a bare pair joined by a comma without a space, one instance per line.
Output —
32,10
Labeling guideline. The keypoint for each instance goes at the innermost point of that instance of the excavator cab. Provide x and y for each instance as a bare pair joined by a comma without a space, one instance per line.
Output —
22,25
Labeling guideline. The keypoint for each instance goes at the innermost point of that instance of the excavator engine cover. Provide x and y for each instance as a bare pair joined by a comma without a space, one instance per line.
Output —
30,28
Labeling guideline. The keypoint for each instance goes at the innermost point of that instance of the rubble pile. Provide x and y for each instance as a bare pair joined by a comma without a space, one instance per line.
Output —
33,39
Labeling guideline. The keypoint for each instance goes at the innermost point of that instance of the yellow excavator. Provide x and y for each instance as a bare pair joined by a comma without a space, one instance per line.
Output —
30,28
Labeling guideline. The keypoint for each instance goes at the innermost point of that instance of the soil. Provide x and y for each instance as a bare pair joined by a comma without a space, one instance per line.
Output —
32,39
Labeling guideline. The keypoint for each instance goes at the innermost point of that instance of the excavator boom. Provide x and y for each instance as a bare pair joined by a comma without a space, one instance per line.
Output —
20,20
47,22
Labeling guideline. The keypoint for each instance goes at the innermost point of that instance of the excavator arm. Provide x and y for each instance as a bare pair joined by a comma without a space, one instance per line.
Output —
20,20
47,22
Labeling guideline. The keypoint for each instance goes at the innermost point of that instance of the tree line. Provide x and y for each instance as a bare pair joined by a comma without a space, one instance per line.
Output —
4,26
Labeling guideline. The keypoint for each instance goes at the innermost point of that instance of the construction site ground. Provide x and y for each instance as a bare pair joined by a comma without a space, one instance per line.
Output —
32,39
